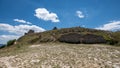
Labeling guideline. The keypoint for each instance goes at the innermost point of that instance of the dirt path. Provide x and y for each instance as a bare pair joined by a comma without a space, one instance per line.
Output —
53,55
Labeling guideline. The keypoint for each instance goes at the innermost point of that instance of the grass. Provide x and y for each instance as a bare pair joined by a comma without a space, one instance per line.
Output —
61,55
54,35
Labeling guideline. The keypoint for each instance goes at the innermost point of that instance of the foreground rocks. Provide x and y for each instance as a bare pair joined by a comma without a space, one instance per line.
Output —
54,55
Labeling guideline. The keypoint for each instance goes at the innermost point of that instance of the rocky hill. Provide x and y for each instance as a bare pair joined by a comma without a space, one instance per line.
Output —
70,35
45,50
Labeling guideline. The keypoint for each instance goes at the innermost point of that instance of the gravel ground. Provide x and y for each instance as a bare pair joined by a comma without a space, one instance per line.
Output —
61,55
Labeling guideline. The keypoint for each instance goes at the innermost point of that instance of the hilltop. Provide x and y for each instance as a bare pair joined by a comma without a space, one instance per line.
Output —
75,33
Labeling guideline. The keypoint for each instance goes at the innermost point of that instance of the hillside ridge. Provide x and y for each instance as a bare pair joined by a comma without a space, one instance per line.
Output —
55,34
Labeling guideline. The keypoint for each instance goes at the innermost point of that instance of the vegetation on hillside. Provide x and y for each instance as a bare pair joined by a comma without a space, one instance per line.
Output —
116,37
53,35
9,43
55,28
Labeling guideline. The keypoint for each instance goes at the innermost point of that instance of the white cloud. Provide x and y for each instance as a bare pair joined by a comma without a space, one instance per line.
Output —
22,21
80,14
113,25
5,38
44,14
17,31
20,29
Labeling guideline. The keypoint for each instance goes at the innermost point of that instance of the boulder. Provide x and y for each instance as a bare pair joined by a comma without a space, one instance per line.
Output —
30,32
81,38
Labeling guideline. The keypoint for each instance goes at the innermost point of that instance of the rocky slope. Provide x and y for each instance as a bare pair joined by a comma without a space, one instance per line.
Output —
61,55
55,35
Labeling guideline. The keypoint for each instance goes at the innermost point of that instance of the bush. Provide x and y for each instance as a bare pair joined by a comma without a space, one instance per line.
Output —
112,42
11,42
55,28
118,44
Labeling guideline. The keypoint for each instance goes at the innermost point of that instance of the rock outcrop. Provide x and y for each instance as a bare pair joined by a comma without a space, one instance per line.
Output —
30,32
81,38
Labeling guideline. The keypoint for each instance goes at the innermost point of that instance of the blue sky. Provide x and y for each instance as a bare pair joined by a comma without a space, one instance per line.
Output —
18,16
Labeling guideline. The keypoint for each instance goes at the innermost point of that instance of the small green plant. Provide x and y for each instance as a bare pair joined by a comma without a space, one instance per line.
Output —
55,28
11,42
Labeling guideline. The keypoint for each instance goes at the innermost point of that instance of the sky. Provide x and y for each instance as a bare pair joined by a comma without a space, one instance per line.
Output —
19,16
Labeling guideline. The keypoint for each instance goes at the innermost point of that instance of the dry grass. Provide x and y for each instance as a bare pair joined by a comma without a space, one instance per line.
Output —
61,55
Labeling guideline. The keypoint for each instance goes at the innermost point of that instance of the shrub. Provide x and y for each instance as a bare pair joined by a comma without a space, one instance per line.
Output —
118,44
11,42
55,28
112,42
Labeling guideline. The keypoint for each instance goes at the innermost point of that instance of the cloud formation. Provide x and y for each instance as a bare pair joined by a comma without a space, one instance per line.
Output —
44,14
80,14
4,38
17,31
22,21
113,25
20,29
